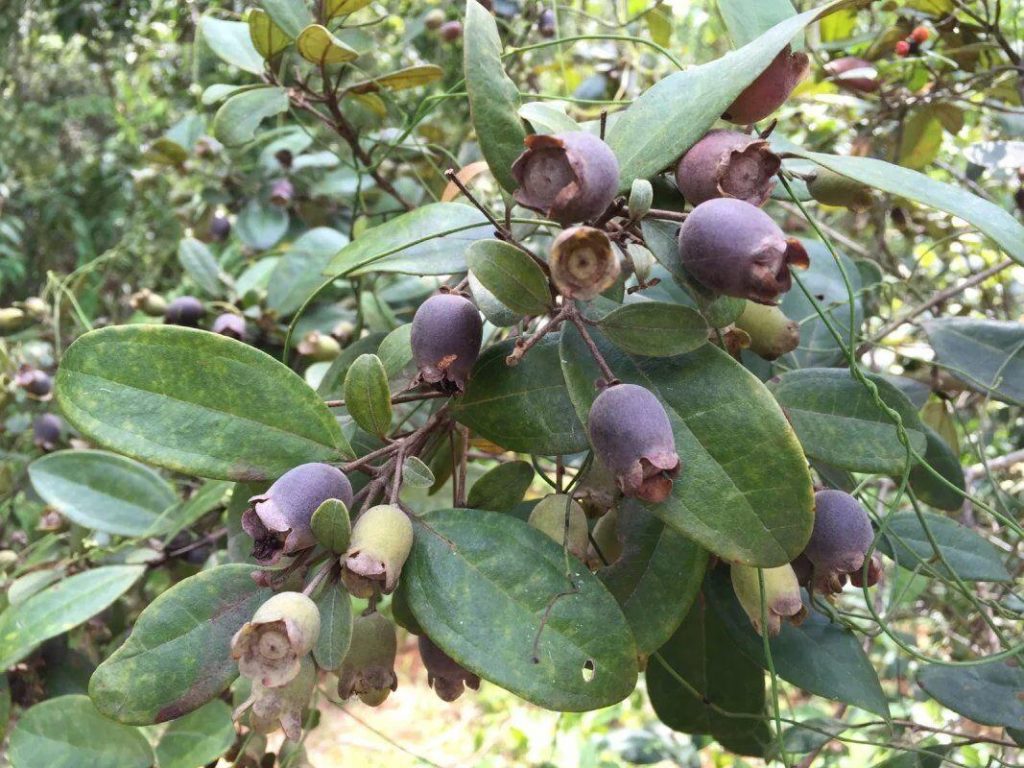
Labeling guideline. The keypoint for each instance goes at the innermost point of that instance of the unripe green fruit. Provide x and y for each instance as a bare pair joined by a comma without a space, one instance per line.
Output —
8,559
728,164
632,436
770,90
842,533
434,19
549,517
568,177
12,319
270,647
380,545
832,188
368,669
319,347
446,337
771,333
282,706
149,303
36,308
781,595
444,674
606,547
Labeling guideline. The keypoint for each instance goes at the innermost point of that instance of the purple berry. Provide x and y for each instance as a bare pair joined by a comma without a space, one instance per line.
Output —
446,336
842,533
728,164
231,325
184,310
770,90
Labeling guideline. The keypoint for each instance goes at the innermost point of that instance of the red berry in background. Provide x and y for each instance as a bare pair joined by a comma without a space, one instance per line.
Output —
734,248
771,88
568,177
728,164
451,31
920,35
902,48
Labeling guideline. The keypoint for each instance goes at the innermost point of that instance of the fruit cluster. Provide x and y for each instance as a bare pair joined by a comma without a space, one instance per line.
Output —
911,44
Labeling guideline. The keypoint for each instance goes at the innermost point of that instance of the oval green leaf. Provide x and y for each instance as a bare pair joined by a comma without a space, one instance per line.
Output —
415,473
103,491
331,525
987,693
178,656
230,41
655,328
400,80
68,731
194,402
484,607
493,97
335,626
367,395
839,423
502,487
515,279
744,491
198,738
238,118
267,37
969,555
197,261
60,607
525,408
987,354
291,16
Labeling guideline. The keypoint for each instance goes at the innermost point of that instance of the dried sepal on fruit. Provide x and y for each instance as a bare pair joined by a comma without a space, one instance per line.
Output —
568,177
631,435
368,669
281,707
381,542
549,517
781,596
279,520
583,263
446,337
734,248
728,164
770,89
770,333
269,648
445,675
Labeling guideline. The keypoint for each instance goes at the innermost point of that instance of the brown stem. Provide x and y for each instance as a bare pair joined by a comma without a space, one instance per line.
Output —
410,397
523,346
606,371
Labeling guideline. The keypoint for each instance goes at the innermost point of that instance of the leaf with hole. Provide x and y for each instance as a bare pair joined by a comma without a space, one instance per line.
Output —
510,615
103,491
178,656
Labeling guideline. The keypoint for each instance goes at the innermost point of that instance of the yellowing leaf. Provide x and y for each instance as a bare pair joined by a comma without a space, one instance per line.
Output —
410,77
333,8
318,45
268,38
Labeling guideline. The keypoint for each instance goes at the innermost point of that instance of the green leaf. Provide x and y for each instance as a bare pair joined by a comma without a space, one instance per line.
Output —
333,8
267,37
230,41
988,217
669,118
747,20
60,607
178,656
493,97
400,80
941,458
416,474
300,271
920,140
331,525
333,382
819,656
291,16
102,491
516,280
930,754
261,225
968,554
317,45
198,738
335,626
68,731
839,423
194,402
824,280
367,396
655,328
987,354
502,487
420,242
545,117
238,118
657,577
525,408
734,442
197,261
991,693
483,605
702,653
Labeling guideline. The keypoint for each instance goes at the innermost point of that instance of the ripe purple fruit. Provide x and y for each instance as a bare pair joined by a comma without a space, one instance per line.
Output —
568,177
281,193
546,23
37,383
451,31
632,436
444,674
46,431
841,536
278,520
854,74
728,164
220,227
771,88
231,325
184,310
446,336
734,248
